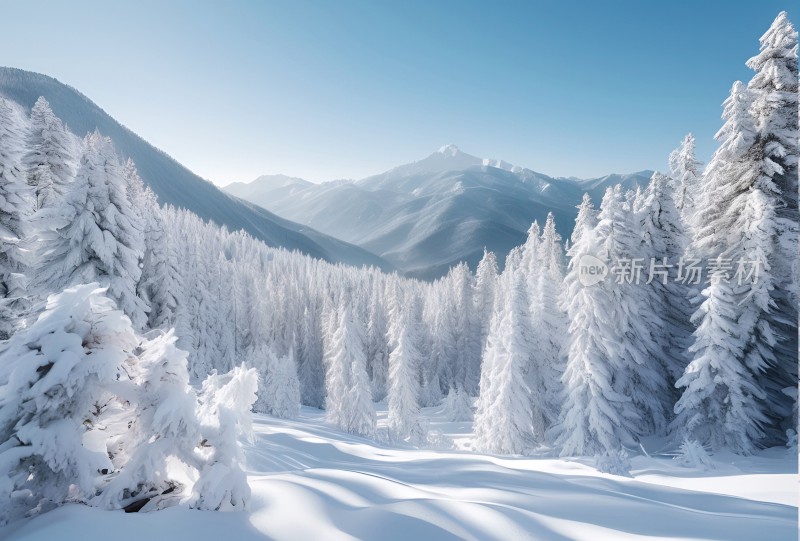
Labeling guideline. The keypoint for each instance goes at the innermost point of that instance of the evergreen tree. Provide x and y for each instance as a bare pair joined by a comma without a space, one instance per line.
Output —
377,346
404,389
548,323
750,208
348,403
164,427
686,172
667,307
506,421
721,402
14,223
311,372
48,161
98,236
612,388
485,285
279,393
72,356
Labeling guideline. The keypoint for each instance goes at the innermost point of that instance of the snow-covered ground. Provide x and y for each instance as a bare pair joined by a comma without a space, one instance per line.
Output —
311,482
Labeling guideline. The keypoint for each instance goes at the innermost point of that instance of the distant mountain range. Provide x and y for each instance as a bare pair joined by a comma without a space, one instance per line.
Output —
173,183
426,216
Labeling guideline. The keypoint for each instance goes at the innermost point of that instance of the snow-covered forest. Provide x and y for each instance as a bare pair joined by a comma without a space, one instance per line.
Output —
136,335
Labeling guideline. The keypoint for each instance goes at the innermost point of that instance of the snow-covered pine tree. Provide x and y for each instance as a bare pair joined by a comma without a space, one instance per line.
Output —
224,413
159,282
774,107
667,308
686,173
279,393
457,406
96,235
506,422
163,427
49,161
57,377
486,277
404,419
754,173
442,336
548,324
348,403
585,221
721,404
612,387
15,208
359,410
310,371
377,346
468,348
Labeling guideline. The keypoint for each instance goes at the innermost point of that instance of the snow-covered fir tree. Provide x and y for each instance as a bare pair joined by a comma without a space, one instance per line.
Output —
548,322
164,427
686,173
348,403
612,388
224,415
15,210
49,160
377,345
94,234
56,377
404,388
506,421
667,308
485,286
279,391
457,406
749,199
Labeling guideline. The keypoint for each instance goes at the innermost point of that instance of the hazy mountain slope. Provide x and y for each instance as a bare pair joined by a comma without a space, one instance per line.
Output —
425,216
173,183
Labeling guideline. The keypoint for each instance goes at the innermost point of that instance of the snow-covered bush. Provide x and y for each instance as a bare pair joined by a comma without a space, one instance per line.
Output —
439,441
615,462
458,406
90,412
164,426
692,454
56,380
225,404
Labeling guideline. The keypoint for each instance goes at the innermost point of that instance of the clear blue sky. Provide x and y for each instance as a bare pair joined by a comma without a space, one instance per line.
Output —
342,89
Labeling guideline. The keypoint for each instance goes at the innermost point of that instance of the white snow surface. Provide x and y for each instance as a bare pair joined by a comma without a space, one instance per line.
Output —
312,482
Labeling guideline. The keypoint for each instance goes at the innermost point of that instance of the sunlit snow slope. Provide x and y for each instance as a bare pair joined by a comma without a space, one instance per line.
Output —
311,482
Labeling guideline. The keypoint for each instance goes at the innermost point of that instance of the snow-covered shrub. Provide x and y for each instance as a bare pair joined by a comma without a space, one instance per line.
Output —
615,462
692,454
225,404
458,406
279,392
56,379
164,426
438,441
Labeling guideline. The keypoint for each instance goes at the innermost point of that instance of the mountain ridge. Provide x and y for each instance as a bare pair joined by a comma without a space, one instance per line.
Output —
427,215
172,182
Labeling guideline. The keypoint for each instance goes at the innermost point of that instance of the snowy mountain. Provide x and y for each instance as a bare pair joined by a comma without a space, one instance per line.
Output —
173,183
430,214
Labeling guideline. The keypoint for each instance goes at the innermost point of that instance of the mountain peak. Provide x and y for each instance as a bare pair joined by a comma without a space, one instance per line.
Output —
449,150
